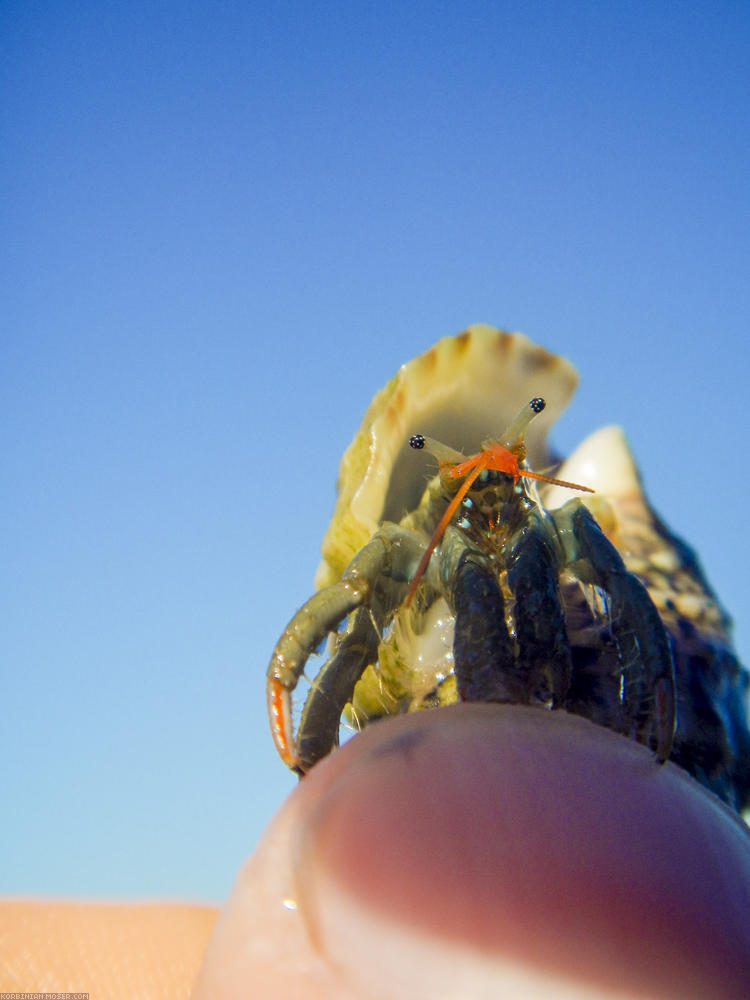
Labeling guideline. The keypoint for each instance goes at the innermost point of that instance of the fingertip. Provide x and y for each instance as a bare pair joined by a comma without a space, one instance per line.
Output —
505,848
538,840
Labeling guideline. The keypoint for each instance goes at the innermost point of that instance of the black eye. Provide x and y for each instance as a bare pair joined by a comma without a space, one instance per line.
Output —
416,441
537,404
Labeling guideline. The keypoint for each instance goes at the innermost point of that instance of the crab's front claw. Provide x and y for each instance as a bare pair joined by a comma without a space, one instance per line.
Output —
647,675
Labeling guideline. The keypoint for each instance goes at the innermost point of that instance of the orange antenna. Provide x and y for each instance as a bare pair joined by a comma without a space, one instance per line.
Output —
525,474
493,457
445,520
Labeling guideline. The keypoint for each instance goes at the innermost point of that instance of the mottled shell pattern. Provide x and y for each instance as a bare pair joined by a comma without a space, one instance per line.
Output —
469,387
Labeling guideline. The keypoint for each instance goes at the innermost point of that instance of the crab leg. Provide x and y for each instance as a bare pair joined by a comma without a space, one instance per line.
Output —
309,627
533,577
649,694
391,552
333,688
487,666
482,648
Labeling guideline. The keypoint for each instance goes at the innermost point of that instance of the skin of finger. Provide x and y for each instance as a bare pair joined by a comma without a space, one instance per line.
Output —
113,950
519,852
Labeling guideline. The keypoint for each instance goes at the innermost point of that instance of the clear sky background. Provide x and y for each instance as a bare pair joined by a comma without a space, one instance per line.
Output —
224,226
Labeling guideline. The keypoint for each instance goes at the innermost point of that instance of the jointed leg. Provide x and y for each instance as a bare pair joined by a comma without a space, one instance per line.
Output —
648,674
393,553
482,648
333,688
533,577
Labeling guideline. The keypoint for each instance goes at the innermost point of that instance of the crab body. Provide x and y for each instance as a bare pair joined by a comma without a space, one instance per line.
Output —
529,596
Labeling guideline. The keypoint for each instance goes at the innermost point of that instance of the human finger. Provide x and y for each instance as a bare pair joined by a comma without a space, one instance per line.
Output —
489,851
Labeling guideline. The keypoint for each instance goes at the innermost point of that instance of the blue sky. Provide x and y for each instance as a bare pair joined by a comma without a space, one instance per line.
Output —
224,227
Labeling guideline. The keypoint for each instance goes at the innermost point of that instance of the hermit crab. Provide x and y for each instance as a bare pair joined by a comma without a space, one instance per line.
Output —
462,568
